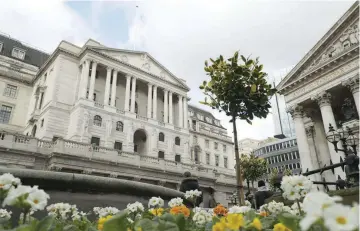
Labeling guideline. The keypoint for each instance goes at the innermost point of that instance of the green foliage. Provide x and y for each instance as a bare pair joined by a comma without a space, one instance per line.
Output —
238,87
253,168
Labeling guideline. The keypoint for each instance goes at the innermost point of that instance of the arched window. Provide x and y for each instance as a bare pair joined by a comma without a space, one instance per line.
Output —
33,132
119,126
161,137
177,140
136,108
97,120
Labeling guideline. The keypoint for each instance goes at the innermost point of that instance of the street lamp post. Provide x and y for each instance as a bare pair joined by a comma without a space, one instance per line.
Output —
348,139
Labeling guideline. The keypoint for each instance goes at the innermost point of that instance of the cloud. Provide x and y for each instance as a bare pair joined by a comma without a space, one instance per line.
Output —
183,34
43,23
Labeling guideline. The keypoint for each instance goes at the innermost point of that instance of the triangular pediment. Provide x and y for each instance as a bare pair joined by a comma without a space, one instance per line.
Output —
341,39
143,61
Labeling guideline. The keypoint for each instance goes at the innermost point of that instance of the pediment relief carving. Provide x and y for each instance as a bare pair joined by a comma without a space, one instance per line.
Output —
345,42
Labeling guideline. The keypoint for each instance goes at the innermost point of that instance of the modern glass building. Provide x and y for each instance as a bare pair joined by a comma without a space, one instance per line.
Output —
280,154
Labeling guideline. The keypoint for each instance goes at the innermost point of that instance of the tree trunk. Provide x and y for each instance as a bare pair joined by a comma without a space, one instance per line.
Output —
248,185
239,180
252,184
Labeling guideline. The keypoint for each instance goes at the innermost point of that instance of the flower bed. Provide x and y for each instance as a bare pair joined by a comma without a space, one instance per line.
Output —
317,212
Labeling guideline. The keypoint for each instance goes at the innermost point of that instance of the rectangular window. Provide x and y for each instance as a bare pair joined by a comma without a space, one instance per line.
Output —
207,143
95,141
217,161
161,155
224,148
298,165
5,114
177,158
215,145
286,157
207,158
225,162
10,91
1,46
41,99
18,53
297,154
118,145
42,123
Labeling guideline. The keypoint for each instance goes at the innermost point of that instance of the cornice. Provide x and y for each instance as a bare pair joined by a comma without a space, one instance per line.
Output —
346,57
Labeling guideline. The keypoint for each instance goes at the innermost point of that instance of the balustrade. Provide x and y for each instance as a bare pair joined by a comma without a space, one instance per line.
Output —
10,141
141,117
119,111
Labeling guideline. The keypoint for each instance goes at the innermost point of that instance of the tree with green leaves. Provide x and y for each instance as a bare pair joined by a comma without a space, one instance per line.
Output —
239,88
252,168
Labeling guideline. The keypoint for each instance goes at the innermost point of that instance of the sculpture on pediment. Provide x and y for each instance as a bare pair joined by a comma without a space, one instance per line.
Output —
162,74
146,66
351,34
124,58
336,49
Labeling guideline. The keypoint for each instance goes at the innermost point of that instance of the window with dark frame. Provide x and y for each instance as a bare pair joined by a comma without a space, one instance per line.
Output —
118,145
10,91
177,158
97,120
207,158
161,155
225,162
177,141
95,141
42,123
119,126
216,160
5,114
161,137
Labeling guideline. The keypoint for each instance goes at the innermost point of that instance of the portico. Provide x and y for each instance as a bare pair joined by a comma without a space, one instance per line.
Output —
323,89
108,86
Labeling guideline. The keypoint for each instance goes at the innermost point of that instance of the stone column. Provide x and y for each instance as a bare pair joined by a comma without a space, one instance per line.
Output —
127,93
133,97
304,150
155,102
85,78
323,100
92,80
170,108
149,100
180,111
107,86
185,113
166,117
353,85
113,90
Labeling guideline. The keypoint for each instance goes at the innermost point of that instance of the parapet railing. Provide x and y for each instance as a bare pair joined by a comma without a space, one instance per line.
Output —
88,151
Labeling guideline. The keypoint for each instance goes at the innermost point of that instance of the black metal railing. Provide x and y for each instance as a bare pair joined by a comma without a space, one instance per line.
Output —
350,164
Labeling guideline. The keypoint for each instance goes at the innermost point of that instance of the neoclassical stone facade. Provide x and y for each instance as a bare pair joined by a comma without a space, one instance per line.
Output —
323,89
110,112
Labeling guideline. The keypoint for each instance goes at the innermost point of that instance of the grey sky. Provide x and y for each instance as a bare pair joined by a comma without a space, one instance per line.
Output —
183,34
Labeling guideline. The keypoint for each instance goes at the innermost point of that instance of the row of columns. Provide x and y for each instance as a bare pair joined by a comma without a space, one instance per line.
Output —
323,100
130,94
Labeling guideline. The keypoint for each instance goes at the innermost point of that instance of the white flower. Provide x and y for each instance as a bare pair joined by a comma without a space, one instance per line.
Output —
7,180
340,217
239,209
62,211
201,217
313,205
78,215
192,194
103,212
274,208
37,199
4,214
295,187
135,207
156,202
175,202
247,203
295,208
14,194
